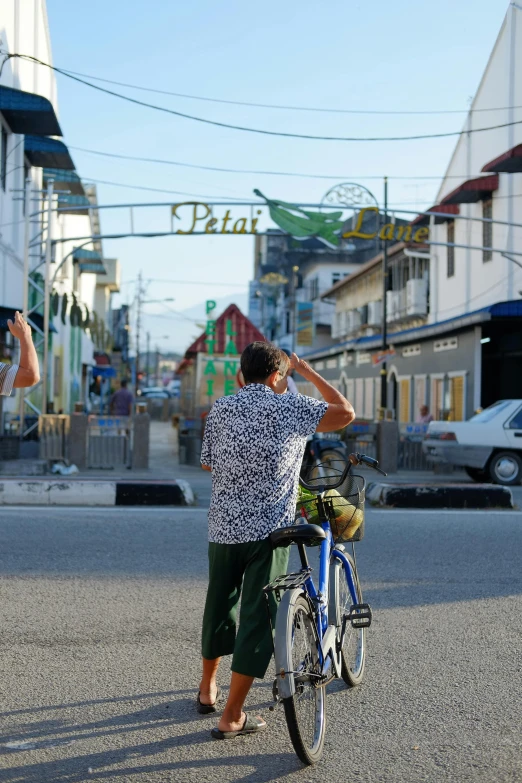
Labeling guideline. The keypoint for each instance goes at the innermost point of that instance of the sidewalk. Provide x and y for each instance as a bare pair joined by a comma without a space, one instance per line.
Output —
165,482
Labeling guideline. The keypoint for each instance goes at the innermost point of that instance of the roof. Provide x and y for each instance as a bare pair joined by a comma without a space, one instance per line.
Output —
510,161
26,112
441,209
65,180
509,309
244,329
375,261
472,190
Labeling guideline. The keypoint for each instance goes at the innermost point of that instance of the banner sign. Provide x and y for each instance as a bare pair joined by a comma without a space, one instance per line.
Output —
382,356
305,323
197,217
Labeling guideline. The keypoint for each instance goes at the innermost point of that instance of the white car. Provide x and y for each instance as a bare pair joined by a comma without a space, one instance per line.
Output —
488,446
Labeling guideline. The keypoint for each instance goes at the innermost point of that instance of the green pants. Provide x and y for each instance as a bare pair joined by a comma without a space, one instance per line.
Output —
241,570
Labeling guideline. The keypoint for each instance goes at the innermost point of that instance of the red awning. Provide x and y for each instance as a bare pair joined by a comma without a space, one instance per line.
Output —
472,191
510,161
446,209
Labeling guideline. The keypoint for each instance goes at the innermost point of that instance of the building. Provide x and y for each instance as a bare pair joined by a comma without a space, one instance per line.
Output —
40,189
210,367
455,306
291,276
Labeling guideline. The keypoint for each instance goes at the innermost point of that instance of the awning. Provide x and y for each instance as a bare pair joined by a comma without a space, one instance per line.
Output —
89,261
472,191
104,371
9,313
447,209
26,112
73,205
510,161
47,153
64,180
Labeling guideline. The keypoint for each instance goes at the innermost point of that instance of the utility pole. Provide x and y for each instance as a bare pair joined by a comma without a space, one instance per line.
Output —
384,382
27,230
147,371
138,328
47,295
295,281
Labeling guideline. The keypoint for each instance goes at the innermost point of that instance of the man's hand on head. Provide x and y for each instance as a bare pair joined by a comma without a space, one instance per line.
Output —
300,366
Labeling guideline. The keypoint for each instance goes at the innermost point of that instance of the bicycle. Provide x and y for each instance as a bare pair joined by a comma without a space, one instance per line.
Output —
320,632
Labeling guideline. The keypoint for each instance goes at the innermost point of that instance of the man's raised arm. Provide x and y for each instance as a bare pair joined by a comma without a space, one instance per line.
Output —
340,412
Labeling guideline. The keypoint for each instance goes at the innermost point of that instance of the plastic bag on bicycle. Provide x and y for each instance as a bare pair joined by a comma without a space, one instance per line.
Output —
345,520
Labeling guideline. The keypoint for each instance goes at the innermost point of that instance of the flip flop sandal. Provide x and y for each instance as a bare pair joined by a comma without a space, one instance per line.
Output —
207,709
250,726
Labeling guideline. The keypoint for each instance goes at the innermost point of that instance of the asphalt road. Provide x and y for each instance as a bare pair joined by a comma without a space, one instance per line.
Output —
100,622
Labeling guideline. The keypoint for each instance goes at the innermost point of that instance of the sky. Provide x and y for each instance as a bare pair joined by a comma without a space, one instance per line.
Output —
406,56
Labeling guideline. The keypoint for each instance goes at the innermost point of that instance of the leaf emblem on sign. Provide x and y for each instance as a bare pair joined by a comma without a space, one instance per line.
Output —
301,223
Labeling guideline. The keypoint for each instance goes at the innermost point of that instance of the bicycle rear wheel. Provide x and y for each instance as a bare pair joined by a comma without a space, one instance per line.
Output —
353,653
305,711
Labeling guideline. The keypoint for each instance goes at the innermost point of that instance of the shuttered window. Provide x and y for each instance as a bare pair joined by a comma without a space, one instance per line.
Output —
369,386
404,401
437,388
457,398
451,250
359,397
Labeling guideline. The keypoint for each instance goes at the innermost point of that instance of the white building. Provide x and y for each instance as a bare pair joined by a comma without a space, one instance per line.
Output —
457,343
29,149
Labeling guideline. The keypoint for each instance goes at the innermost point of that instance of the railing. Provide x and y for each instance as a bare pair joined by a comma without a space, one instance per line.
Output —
109,442
361,436
53,433
411,456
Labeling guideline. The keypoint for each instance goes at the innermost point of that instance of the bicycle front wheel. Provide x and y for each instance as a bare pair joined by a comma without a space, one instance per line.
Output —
353,653
305,711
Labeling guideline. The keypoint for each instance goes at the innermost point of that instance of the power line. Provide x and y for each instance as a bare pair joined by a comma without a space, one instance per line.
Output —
245,129
283,107
154,190
187,282
260,172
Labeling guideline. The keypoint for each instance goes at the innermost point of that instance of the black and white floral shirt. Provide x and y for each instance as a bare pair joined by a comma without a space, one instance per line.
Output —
7,377
254,442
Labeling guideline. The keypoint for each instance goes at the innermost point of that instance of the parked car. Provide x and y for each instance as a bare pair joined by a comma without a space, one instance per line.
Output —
488,446
155,393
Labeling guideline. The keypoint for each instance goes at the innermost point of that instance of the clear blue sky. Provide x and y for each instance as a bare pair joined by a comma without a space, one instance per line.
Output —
406,55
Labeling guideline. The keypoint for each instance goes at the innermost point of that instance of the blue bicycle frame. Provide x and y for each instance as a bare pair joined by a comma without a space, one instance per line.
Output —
320,598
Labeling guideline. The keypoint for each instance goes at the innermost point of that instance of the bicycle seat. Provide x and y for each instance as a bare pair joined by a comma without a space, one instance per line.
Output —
310,535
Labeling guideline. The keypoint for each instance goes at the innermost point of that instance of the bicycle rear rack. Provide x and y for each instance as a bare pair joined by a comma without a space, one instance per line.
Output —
287,582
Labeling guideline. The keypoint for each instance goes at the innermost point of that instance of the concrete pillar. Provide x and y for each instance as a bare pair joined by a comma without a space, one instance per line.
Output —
78,440
141,440
388,445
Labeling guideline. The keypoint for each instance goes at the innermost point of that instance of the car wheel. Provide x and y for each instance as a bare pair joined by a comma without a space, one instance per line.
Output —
506,468
477,474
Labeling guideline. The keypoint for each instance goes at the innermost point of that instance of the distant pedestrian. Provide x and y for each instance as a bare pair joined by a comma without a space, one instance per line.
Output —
26,372
425,416
121,401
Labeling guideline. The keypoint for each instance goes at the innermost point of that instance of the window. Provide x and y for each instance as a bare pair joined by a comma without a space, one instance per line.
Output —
451,250
516,422
336,277
456,388
489,413
3,158
487,230
314,288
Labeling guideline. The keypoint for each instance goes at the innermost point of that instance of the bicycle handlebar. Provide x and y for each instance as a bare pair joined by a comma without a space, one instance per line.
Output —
353,459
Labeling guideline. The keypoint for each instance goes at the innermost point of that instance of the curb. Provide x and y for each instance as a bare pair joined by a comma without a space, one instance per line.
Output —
23,492
464,496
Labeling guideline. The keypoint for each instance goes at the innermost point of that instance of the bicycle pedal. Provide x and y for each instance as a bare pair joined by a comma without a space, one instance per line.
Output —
360,616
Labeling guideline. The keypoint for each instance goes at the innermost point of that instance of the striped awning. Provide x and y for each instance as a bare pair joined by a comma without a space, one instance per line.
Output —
26,112
47,153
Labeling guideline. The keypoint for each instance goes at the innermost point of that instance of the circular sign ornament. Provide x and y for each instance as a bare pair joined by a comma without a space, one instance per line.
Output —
349,194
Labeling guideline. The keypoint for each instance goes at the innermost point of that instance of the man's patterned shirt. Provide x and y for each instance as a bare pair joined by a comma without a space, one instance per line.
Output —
254,442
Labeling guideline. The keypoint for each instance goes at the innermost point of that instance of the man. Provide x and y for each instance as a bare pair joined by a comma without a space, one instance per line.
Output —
254,443
27,372
425,415
121,401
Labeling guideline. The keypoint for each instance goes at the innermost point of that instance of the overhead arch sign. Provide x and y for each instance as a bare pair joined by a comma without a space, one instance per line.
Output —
198,217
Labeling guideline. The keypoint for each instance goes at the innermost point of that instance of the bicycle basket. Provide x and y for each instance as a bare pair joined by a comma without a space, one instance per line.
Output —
345,509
